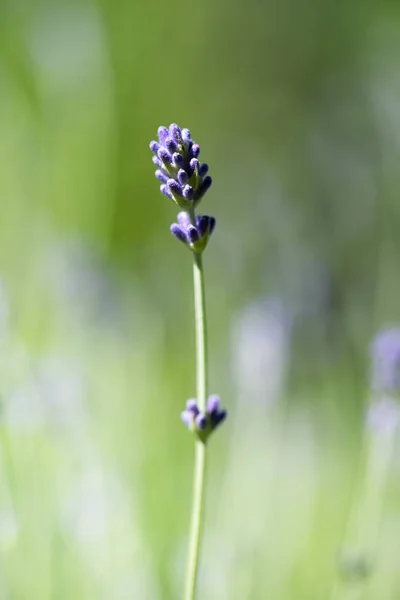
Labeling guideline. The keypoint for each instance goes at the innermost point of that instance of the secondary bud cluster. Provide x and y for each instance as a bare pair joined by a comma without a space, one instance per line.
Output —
185,180
195,235
203,424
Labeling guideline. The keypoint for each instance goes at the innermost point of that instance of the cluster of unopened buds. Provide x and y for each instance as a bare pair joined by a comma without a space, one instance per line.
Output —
185,181
203,424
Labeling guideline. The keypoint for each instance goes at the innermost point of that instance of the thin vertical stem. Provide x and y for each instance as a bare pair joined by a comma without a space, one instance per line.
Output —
200,447
201,330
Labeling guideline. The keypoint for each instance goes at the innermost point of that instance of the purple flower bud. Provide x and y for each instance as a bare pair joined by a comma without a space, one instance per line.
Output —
164,155
186,136
165,190
178,233
192,234
162,176
178,160
212,224
188,192
203,169
213,404
191,406
187,418
154,146
171,145
218,418
157,161
194,164
175,187
175,133
183,220
204,186
202,223
183,177
201,421
162,134
195,150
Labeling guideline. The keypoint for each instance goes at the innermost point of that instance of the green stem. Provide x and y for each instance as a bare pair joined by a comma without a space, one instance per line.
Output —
200,447
201,330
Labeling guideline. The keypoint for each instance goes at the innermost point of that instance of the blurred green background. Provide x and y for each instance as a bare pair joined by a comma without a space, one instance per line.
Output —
295,104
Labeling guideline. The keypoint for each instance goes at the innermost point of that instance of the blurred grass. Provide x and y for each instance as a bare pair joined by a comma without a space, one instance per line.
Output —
295,107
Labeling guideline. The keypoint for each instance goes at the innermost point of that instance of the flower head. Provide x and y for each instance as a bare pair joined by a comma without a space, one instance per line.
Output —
183,178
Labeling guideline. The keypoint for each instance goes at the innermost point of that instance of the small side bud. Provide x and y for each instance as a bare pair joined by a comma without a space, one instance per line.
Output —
183,177
162,134
213,404
164,155
204,187
157,161
183,219
202,223
175,133
175,188
213,222
188,192
171,145
195,150
187,418
201,422
161,175
154,146
191,405
186,136
177,160
165,190
192,234
218,418
194,164
178,233
203,170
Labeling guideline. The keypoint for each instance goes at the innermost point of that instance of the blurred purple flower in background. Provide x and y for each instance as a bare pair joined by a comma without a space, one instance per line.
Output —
385,350
383,415
384,412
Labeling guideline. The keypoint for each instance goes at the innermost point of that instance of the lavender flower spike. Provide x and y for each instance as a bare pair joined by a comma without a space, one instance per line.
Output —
176,155
185,181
